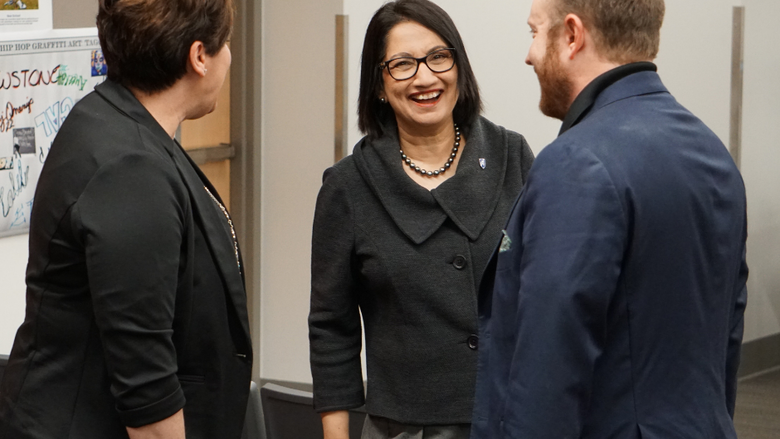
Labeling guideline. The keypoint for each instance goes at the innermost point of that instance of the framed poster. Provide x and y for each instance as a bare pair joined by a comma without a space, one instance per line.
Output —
25,15
43,75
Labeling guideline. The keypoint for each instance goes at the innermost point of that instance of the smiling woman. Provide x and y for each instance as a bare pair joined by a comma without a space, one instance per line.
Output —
402,230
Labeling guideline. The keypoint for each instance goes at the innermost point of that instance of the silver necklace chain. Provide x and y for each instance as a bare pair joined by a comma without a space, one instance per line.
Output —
230,223
441,170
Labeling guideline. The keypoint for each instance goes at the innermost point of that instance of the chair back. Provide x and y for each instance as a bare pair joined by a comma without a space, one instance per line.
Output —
3,363
289,414
254,425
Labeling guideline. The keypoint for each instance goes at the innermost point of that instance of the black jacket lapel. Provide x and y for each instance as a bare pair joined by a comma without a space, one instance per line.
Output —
216,228
217,231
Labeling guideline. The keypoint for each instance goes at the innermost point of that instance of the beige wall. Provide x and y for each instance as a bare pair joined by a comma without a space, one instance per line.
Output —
760,161
297,146
74,13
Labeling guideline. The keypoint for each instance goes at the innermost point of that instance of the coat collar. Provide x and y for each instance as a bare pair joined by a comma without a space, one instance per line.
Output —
216,230
468,198
635,84
585,100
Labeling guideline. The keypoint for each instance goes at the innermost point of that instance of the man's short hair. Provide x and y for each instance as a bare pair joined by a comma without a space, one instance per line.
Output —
624,30
146,43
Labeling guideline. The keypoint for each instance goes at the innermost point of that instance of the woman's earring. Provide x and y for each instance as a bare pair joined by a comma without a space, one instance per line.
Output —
383,100
205,71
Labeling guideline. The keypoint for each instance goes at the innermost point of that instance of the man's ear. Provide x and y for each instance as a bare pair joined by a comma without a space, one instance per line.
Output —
197,58
574,32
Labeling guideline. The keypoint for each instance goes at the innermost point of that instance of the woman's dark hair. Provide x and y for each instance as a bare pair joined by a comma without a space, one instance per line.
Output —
372,114
146,43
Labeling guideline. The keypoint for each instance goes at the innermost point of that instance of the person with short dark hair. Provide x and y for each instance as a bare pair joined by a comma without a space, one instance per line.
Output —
614,306
136,320
402,231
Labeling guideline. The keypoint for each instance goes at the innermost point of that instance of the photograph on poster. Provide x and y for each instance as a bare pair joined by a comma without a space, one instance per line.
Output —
42,76
20,4
25,15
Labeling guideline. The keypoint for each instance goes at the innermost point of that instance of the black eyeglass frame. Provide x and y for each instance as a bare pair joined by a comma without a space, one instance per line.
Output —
423,59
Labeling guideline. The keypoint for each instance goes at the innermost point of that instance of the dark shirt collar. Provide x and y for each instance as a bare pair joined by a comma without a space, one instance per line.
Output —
584,101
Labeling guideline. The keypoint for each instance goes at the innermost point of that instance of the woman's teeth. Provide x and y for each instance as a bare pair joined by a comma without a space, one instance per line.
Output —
427,96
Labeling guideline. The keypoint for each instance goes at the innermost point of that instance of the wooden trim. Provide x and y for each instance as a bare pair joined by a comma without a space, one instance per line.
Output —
342,87
212,154
245,137
737,82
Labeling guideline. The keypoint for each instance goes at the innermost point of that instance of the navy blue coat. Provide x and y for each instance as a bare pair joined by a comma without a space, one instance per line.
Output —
616,309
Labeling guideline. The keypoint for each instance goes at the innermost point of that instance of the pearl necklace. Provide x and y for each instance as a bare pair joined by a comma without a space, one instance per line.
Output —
444,168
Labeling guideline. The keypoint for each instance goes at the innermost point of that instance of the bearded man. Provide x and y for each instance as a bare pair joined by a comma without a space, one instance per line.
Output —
618,293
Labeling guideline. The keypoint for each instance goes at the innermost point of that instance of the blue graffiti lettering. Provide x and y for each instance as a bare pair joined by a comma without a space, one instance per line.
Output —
51,119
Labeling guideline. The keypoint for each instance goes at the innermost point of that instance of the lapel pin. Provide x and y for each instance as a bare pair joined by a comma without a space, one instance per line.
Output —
482,163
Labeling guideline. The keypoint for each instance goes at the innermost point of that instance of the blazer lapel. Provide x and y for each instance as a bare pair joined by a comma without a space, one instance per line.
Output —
468,198
217,231
216,228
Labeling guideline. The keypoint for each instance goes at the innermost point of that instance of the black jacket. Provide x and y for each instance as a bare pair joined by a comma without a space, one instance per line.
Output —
135,303
410,261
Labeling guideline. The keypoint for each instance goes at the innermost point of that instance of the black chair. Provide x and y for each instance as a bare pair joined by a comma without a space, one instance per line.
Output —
289,414
254,426
3,363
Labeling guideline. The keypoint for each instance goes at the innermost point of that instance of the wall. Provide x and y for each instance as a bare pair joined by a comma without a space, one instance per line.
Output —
297,145
74,13
761,134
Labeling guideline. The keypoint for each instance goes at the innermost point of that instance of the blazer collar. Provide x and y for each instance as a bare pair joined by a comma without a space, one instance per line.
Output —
637,84
216,229
126,103
586,100
468,198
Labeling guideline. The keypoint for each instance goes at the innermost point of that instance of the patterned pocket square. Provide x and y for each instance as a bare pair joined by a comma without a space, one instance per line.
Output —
506,243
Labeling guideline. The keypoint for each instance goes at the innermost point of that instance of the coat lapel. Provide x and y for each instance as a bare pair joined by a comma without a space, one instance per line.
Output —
468,198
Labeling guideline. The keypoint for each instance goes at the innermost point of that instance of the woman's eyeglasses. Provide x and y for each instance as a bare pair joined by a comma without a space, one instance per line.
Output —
405,67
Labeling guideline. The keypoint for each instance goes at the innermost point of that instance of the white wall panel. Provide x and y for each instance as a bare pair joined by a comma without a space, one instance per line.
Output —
297,146
760,166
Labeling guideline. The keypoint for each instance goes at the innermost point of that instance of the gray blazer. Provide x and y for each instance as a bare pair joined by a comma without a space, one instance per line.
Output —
410,261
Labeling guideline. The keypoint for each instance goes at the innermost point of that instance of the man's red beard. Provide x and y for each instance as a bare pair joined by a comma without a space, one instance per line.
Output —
556,86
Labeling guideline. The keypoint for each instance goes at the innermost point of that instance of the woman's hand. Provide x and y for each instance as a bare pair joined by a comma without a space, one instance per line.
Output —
169,428
335,425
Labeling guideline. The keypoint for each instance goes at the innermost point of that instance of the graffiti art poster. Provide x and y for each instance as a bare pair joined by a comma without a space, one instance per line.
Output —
25,15
42,75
